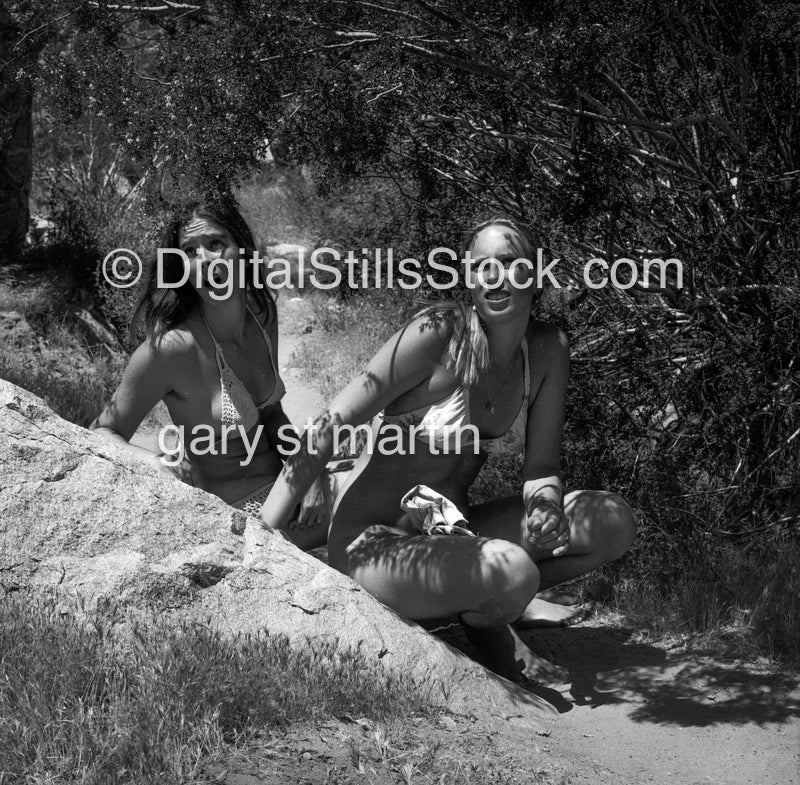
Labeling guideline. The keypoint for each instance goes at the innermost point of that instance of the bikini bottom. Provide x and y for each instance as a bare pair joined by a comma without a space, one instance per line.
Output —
252,503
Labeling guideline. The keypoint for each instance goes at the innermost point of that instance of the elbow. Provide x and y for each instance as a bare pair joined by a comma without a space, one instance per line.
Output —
107,433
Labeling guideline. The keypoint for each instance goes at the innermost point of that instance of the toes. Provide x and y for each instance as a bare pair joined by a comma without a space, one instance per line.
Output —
544,670
541,613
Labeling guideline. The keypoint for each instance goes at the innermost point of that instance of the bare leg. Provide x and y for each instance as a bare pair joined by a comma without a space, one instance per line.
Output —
488,582
506,654
602,527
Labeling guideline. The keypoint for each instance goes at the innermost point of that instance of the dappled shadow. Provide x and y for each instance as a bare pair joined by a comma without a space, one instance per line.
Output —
606,667
705,693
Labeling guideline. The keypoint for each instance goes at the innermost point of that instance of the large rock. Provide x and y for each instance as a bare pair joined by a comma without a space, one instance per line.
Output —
85,517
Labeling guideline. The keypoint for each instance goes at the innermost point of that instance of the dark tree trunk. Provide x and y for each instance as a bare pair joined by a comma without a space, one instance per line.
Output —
16,144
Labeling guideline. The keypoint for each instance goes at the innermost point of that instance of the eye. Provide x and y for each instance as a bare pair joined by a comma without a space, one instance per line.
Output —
216,245
190,250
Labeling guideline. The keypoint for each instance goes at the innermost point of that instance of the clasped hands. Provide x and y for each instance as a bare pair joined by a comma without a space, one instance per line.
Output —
547,527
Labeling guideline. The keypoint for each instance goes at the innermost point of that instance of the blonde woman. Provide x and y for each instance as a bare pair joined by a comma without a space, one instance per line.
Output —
494,371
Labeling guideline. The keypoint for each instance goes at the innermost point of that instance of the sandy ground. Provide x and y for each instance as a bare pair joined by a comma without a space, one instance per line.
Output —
647,712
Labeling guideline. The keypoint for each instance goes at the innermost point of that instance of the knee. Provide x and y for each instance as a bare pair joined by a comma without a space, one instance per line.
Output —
344,552
510,578
621,522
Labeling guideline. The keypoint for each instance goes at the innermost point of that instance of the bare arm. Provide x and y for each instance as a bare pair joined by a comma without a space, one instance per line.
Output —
542,490
404,361
147,379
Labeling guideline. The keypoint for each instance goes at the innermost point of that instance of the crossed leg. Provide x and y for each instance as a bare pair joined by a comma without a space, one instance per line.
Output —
601,524
492,579
488,582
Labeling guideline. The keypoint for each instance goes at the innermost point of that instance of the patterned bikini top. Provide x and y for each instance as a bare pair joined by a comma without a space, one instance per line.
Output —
238,407
442,423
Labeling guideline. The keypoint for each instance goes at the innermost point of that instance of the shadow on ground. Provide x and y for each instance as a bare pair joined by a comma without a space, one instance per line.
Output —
606,665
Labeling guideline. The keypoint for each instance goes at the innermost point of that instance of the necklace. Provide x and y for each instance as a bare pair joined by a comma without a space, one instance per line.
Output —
490,399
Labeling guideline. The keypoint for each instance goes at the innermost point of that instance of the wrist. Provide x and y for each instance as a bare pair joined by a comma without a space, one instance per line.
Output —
542,492
541,502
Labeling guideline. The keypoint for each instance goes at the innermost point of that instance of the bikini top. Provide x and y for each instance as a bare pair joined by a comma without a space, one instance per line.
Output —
238,407
441,424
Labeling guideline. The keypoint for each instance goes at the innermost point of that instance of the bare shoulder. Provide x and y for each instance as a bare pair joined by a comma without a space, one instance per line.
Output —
426,334
176,344
547,343
170,353
410,356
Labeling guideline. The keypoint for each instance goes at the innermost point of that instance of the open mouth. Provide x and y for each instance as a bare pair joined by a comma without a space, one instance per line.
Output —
497,295
214,276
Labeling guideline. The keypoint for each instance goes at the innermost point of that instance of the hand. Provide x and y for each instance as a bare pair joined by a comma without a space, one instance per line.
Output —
547,528
183,470
315,509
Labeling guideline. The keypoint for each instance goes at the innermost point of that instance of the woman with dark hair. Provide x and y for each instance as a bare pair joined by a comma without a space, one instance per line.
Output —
446,391
210,354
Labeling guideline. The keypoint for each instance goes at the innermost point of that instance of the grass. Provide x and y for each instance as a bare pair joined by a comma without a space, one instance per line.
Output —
749,609
112,700
73,378
79,704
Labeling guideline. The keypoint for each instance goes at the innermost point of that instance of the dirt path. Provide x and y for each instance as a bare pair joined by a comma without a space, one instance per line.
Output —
644,712
301,401
634,711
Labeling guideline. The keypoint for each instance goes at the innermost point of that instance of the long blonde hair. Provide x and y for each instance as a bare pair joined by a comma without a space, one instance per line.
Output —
467,352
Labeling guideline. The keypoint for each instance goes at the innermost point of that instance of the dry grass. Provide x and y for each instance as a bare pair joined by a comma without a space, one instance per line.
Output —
97,698
56,364
80,704
750,609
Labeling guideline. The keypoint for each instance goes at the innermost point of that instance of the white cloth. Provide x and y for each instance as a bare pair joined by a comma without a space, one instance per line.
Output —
434,513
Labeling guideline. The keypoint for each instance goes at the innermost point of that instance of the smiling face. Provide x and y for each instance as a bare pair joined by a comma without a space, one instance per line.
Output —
203,241
501,296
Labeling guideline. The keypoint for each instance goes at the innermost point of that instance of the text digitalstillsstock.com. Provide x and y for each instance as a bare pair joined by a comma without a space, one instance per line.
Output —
327,269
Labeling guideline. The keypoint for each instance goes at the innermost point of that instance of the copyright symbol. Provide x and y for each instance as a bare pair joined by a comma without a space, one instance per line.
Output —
122,268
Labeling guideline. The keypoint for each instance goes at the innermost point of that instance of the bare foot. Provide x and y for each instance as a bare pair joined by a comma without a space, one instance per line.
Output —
503,652
541,613
559,598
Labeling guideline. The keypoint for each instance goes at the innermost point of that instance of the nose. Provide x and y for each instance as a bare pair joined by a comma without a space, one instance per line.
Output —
492,271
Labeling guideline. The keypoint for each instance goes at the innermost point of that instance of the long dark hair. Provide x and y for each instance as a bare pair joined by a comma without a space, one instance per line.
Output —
162,309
